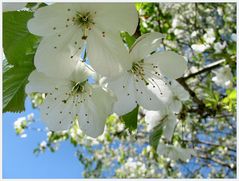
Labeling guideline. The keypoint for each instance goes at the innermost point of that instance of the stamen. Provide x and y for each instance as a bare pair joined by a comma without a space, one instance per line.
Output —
85,22
148,73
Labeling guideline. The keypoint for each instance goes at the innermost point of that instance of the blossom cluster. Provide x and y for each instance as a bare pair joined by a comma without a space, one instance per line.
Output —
87,72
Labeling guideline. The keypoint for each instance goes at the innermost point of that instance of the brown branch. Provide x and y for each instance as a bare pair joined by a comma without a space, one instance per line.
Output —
205,69
209,144
190,91
217,161
182,81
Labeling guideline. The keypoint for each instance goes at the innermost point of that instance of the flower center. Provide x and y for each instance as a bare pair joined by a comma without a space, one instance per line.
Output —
78,87
84,21
149,73
138,70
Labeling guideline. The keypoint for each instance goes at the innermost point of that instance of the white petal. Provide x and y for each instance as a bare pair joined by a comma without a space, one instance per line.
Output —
116,17
12,6
152,118
179,91
107,53
94,112
124,91
82,72
155,96
52,19
57,115
169,126
38,82
175,106
172,153
57,56
146,44
184,154
162,149
170,64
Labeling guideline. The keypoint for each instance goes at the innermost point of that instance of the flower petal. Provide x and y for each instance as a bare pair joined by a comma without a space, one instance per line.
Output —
82,72
57,115
179,91
170,64
12,6
94,112
116,17
38,82
175,106
107,53
152,118
52,19
124,91
184,154
146,44
57,56
162,149
169,126
154,96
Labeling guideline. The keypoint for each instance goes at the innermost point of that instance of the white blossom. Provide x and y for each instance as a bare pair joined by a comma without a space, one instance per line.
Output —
176,22
30,117
179,33
194,34
145,81
23,135
132,168
175,153
43,144
69,28
220,11
234,37
72,98
209,37
218,47
223,77
18,123
199,48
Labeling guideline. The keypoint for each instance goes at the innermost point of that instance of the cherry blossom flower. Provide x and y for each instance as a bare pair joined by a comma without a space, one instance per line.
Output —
68,28
209,36
146,80
199,48
218,47
175,153
223,77
72,98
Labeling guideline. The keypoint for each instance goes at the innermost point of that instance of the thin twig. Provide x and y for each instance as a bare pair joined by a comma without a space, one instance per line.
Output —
205,69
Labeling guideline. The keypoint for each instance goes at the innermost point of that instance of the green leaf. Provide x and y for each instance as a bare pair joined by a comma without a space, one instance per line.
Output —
6,66
14,81
130,119
139,6
19,48
155,135
129,40
31,5
18,42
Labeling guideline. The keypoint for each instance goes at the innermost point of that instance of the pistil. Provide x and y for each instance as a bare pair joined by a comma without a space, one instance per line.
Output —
84,21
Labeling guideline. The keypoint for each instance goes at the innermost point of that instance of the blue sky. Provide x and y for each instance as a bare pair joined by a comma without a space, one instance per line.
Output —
19,160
